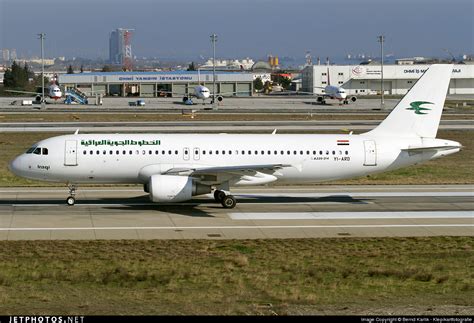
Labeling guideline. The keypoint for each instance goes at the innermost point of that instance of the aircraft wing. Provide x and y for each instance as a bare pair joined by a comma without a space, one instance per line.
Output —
221,174
225,169
26,92
229,93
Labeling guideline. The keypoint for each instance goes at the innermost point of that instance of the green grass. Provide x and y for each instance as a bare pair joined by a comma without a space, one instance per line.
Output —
454,169
234,277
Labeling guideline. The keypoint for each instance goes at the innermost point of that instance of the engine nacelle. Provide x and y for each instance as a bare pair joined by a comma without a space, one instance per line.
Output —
173,188
353,98
320,99
220,98
185,98
38,99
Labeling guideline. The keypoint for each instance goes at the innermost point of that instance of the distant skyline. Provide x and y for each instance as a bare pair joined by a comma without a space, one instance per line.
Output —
181,28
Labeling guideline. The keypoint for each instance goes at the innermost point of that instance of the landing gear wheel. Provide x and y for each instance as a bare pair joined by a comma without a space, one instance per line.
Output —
346,102
228,202
70,201
219,195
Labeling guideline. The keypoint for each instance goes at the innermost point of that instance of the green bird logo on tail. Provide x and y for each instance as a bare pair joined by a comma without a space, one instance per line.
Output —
416,106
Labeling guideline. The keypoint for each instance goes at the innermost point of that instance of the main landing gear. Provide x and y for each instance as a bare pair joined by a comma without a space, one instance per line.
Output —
72,193
227,201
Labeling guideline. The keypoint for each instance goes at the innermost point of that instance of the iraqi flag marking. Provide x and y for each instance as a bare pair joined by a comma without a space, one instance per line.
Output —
343,142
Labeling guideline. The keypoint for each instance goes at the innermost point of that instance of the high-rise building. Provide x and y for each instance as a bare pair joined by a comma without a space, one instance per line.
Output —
120,47
13,54
6,54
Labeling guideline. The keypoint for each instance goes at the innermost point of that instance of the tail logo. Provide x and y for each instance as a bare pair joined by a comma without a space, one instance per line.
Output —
416,106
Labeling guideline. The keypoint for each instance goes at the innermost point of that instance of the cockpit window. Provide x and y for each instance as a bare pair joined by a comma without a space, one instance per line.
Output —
37,151
30,150
45,151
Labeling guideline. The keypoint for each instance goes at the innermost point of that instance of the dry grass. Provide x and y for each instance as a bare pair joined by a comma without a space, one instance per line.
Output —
233,277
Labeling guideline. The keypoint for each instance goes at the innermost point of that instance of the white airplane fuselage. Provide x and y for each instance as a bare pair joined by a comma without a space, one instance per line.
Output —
335,92
123,158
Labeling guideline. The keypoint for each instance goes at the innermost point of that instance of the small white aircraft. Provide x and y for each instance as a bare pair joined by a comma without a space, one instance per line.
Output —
336,93
53,92
332,92
203,93
176,167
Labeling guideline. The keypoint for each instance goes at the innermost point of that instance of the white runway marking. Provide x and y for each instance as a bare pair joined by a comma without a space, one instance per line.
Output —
352,215
230,227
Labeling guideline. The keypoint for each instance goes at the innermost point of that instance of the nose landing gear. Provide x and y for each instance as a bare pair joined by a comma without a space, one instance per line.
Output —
72,193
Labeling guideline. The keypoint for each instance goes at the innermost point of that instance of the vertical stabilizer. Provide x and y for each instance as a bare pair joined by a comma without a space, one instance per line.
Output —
418,113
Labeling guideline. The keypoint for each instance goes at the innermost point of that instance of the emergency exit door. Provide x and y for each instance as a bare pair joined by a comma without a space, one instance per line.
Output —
70,153
370,153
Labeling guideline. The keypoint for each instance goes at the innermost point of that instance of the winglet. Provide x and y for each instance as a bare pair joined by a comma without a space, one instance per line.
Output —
77,131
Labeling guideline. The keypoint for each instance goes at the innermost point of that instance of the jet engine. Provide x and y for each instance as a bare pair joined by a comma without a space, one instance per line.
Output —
38,99
173,188
353,98
220,98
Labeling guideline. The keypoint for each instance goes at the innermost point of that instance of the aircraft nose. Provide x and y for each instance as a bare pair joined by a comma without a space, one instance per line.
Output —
15,165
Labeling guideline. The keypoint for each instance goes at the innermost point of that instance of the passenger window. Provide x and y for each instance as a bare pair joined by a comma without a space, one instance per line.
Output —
117,152
230,152
84,152
294,152
327,152
256,152
320,152
91,152
333,152
130,152
175,152
250,152
217,152
97,152
347,152
301,152
104,152
111,152
243,152
156,152
223,152
150,152
203,152
124,152
288,152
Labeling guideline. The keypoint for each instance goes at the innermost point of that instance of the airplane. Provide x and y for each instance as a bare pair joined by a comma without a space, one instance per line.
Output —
332,92
203,93
176,167
53,92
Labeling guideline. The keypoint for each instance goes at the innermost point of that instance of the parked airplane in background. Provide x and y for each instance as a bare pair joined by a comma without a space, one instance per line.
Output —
332,92
203,93
176,167
53,92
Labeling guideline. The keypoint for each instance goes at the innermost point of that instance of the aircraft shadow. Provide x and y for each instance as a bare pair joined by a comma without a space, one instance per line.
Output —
191,207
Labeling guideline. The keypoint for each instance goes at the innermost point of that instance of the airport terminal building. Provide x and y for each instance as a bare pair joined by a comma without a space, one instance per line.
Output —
153,84
366,79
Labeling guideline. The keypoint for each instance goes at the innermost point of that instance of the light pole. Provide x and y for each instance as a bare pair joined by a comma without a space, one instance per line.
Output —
381,39
213,40
41,37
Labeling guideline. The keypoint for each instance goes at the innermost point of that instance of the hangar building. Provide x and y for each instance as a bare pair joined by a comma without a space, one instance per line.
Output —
366,79
152,84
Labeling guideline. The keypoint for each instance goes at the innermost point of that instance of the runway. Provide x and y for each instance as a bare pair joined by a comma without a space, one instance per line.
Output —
273,212
211,126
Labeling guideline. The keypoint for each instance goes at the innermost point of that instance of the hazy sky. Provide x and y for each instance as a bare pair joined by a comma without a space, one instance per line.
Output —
254,28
